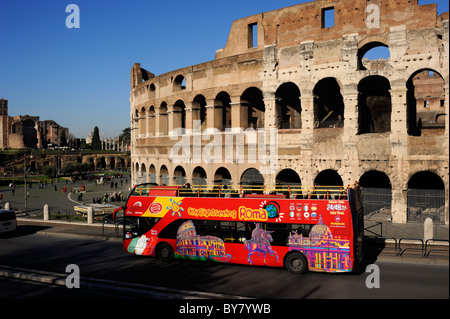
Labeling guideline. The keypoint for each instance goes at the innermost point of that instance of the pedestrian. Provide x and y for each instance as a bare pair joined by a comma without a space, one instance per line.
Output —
28,193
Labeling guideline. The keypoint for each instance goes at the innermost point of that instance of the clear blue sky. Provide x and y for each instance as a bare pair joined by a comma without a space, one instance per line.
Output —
80,78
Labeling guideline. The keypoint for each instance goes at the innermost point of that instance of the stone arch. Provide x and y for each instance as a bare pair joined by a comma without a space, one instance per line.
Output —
252,108
199,111
426,197
179,115
222,176
179,175
425,103
199,176
288,106
368,44
163,119
179,83
374,105
328,103
163,175
223,102
377,195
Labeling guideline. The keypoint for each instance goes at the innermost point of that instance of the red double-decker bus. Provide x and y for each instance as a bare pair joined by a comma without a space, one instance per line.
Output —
317,229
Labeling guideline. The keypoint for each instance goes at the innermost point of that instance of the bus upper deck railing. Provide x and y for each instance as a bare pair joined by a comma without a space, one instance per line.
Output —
242,191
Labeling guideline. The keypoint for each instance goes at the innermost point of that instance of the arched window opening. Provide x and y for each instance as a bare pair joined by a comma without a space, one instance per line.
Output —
374,105
425,103
179,115
288,106
288,181
152,172
224,102
426,197
222,176
373,56
164,175
376,195
199,176
163,119
328,104
252,100
252,181
179,176
179,83
199,112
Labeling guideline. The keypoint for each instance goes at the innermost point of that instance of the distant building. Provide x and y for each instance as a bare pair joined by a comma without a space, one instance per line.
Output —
27,131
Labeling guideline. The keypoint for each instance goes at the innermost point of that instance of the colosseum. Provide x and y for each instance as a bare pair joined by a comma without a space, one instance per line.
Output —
292,100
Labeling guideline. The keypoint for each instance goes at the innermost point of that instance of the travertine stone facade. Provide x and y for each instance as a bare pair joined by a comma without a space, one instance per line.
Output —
339,117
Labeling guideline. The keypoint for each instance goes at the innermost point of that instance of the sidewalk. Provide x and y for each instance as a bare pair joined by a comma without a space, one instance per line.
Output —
57,200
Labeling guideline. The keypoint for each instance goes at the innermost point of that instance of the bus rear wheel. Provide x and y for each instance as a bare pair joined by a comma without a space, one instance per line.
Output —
296,263
164,252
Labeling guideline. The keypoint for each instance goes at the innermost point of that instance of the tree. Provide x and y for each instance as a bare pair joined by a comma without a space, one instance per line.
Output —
96,144
125,136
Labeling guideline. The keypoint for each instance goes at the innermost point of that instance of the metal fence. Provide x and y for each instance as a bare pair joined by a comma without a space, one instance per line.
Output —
377,203
422,204
426,203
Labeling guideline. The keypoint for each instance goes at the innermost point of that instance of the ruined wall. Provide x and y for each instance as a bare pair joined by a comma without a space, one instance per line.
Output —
333,110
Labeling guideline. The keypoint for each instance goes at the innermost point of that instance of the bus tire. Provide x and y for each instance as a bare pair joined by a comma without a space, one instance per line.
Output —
296,263
164,251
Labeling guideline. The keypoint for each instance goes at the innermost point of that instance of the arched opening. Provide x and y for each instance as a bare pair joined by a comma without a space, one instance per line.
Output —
426,197
152,174
199,112
328,184
425,103
199,176
373,55
142,126
376,195
288,106
374,105
223,101
164,175
328,104
137,177
222,176
179,83
179,176
289,182
252,181
151,121
144,173
252,108
163,119
179,115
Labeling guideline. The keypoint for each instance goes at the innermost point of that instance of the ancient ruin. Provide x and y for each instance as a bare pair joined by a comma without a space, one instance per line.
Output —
339,116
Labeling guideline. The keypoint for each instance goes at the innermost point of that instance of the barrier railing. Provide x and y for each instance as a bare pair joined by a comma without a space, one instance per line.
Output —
303,192
428,251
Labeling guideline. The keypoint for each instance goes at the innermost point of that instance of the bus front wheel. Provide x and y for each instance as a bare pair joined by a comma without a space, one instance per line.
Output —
296,263
164,252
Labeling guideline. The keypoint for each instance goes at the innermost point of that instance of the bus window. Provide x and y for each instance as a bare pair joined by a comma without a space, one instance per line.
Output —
139,226
232,231
302,229
170,231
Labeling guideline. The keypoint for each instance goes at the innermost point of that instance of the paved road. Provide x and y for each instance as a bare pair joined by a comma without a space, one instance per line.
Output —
105,259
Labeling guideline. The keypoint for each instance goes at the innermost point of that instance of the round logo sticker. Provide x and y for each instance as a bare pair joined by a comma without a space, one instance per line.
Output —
155,208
